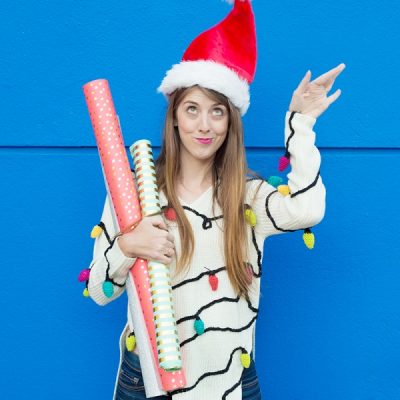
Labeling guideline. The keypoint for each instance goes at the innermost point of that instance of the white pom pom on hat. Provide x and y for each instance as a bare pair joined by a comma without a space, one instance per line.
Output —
222,58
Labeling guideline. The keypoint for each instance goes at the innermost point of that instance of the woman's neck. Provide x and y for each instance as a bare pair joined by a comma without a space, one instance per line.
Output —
195,174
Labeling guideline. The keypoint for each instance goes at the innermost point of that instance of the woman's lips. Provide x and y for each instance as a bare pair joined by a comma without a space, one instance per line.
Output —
204,141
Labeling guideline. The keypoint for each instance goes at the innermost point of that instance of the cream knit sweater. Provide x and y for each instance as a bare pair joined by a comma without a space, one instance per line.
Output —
211,360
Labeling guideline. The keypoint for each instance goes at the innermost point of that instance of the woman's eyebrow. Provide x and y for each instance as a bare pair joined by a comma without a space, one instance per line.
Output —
193,102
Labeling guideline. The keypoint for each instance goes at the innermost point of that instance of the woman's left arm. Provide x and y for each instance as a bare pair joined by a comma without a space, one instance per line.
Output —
304,205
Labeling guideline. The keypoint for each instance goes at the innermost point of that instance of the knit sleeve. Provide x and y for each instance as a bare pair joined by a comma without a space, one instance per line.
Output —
304,206
109,262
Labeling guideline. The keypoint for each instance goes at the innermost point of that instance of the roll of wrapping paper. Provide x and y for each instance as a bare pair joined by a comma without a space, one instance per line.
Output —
122,191
169,355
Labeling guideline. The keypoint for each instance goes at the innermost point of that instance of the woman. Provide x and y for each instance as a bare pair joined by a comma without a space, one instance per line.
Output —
216,216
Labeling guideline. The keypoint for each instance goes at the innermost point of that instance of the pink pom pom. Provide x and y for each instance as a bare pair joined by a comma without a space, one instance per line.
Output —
84,275
249,270
283,163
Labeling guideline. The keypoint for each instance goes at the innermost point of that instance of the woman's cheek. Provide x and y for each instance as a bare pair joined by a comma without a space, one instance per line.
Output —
221,127
187,127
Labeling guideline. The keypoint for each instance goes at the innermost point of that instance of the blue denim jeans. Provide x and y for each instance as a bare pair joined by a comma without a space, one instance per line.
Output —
130,384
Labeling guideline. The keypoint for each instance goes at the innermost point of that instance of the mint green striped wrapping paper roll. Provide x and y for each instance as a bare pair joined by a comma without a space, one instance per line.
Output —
169,353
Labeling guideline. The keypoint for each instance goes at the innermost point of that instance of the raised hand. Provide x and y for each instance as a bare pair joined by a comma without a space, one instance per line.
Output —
311,98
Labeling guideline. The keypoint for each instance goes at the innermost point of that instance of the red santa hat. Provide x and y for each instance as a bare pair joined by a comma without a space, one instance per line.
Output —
222,58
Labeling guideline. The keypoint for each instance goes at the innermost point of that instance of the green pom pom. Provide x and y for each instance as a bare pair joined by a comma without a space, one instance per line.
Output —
108,289
199,326
86,292
275,180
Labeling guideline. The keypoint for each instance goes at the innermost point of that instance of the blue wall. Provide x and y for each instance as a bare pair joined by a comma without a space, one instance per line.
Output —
329,325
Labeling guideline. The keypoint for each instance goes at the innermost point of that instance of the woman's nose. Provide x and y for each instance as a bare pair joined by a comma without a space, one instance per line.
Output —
203,123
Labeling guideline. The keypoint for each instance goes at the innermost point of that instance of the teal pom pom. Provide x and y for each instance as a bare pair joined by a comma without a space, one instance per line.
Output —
199,326
108,289
275,180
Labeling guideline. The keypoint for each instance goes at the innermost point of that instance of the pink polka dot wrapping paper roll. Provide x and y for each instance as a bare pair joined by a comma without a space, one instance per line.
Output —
112,153
122,190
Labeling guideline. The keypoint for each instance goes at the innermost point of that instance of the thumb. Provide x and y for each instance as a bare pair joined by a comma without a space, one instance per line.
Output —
159,223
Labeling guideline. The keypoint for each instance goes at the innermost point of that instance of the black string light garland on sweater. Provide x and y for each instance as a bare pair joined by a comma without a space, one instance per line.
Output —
283,163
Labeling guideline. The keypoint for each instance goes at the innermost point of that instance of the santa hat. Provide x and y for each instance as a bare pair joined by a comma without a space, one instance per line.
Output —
223,58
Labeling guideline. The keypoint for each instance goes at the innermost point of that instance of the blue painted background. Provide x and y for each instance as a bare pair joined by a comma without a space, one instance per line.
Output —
329,326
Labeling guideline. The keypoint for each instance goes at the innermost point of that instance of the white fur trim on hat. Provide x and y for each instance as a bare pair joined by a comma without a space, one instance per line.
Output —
211,75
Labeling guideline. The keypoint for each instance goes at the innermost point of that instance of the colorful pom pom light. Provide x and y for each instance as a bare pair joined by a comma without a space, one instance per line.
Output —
274,180
284,161
245,359
199,326
86,292
84,275
213,280
96,231
130,342
170,214
284,190
308,238
108,289
249,270
250,216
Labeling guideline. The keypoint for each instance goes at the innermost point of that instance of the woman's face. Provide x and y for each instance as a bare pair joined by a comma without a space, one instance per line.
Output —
202,124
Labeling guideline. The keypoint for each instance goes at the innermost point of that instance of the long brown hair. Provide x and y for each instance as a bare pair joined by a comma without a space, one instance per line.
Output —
229,172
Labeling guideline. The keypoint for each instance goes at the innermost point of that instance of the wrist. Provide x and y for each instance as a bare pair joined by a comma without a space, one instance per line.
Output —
121,240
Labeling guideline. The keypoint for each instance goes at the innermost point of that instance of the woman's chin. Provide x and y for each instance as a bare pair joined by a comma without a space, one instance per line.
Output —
203,156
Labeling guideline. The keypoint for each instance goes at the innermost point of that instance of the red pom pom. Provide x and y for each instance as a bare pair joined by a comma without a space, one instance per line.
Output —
283,163
213,279
170,214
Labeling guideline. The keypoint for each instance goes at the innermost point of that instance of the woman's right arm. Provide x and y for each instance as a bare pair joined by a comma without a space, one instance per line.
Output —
108,260
113,256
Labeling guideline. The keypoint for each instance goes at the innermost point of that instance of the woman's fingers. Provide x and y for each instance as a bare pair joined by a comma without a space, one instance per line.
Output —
334,96
166,256
328,78
159,223
170,237
169,252
304,82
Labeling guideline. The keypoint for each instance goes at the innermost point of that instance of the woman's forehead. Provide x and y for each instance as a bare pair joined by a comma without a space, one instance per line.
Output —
197,96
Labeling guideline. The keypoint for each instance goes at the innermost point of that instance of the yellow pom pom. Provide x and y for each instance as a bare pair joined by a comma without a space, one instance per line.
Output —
245,359
96,231
86,293
130,342
308,238
284,190
251,218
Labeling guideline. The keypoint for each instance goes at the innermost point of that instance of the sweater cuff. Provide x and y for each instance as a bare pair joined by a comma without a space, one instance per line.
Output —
302,120
120,264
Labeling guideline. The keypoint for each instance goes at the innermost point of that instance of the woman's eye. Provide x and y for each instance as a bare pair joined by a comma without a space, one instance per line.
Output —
218,112
191,109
